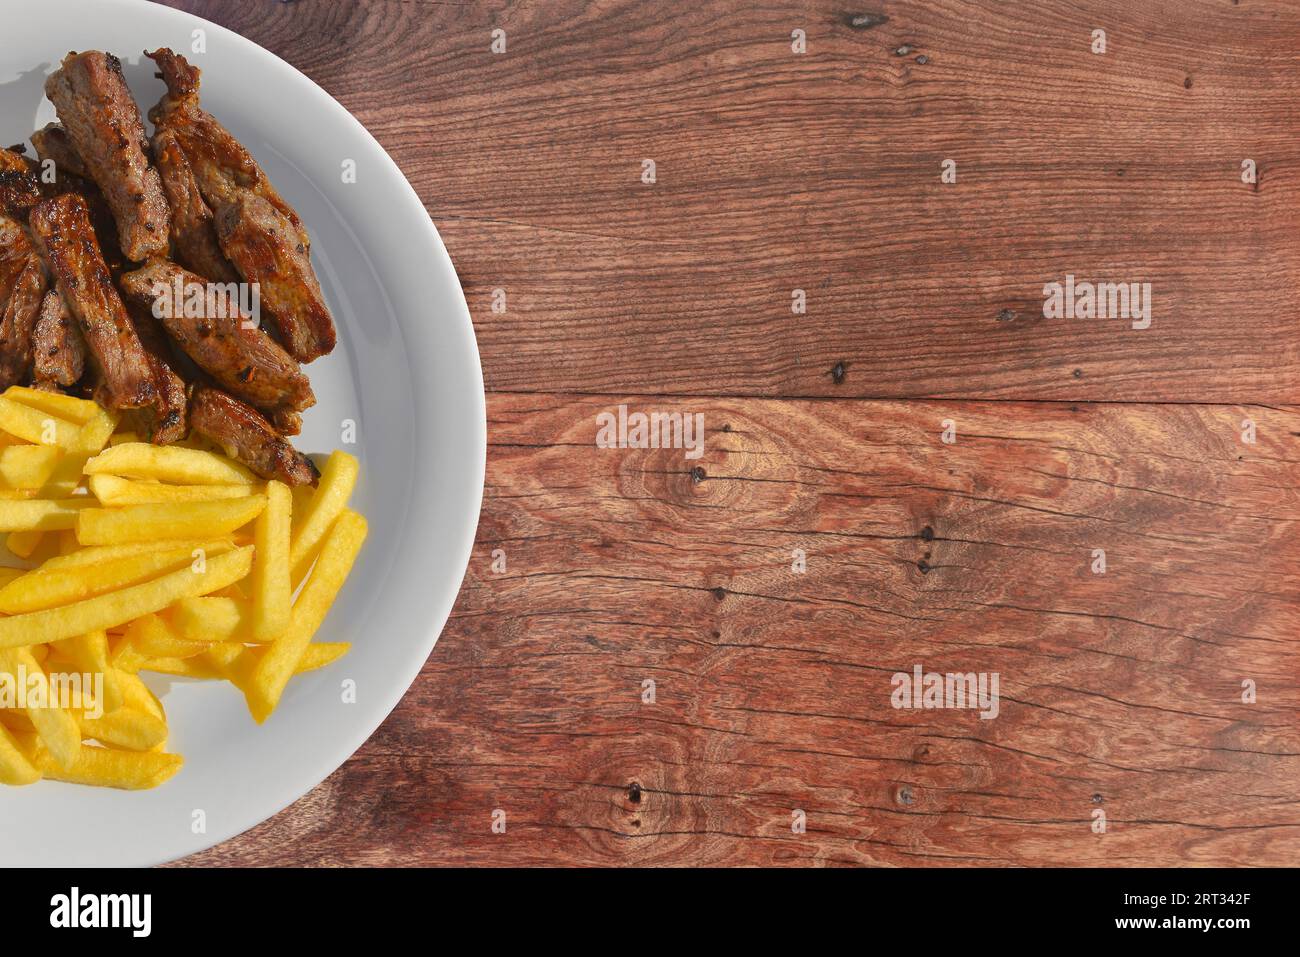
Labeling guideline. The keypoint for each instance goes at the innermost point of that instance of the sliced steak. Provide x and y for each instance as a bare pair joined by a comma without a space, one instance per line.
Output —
165,420
104,125
259,233
20,187
219,162
22,285
58,350
212,331
194,237
264,248
244,434
66,241
53,143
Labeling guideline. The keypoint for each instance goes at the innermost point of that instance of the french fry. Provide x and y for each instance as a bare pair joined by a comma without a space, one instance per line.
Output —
67,474
322,653
223,656
125,728
268,677
39,514
108,768
115,490
213,618
36,425
138,696
56,727
117,608
183,668
15,768
317,655
98,554
15,719
272,594
67,407
122,438
143,523
28,466
47,587
9,574
168,463
125,658
337,479
154,638
89,653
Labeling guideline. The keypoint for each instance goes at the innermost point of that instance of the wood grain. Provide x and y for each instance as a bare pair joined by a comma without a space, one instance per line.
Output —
1121,692
821,172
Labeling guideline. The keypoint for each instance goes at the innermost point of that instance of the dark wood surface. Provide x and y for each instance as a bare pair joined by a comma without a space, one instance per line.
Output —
1121,692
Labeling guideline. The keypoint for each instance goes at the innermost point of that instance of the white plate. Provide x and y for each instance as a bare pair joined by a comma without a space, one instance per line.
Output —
406,370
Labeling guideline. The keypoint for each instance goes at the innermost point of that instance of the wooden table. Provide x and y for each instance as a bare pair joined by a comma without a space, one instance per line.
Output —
659,659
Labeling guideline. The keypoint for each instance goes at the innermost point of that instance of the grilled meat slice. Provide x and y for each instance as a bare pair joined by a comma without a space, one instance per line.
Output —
15,247
263,246
220,163
165,420
20,187
66,241
22,284
58,351
242,359
239,193
244,434
104,125
287,422
52,142
194,236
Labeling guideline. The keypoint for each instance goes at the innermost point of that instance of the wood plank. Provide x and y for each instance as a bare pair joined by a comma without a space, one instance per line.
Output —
821,172
1120,692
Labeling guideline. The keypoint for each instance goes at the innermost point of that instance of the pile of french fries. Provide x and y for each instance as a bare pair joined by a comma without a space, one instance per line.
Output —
173,559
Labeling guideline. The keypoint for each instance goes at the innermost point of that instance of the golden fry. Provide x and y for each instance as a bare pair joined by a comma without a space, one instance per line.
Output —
67,474
272,593
213,618
268,678
28,466
47,587
117,608
144,523
169,463
15,768
338,478
125,728
154,638
104,767
39,514
56,727
89,654
67,407
35,425
114,490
